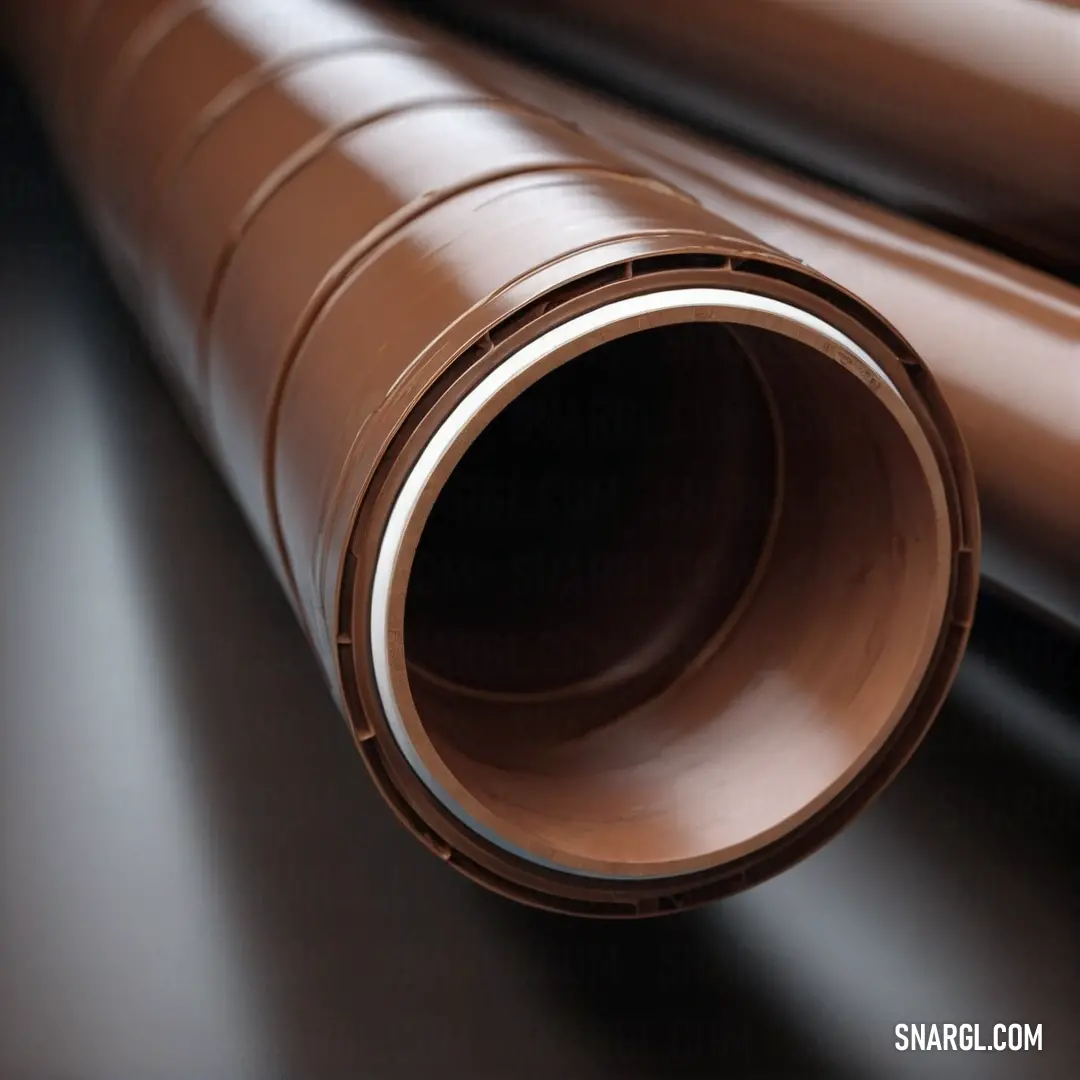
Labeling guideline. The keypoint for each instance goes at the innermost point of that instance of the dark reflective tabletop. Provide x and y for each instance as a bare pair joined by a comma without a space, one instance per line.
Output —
198,881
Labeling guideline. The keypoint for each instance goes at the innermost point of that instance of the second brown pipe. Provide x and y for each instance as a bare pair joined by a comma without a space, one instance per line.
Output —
1002,339
963,112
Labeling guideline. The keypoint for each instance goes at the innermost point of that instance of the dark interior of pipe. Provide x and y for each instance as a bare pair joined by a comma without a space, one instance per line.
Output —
600,521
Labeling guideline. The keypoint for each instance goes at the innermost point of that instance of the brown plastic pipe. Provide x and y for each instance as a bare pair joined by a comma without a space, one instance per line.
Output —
638,555
963,112
1002,340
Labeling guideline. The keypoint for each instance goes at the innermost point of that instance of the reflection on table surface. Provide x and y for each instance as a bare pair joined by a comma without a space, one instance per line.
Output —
197,879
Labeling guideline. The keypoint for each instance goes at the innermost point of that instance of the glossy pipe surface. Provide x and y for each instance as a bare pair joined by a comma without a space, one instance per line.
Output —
965,113
1002,340
614,635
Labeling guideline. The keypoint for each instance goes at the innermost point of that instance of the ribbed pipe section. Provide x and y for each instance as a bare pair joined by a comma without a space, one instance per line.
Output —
638,555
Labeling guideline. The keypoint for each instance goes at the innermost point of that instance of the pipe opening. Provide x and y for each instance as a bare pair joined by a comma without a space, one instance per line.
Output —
672,599
598,528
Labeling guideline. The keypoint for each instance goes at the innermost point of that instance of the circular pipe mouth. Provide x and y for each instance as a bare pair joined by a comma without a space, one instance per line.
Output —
660,585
